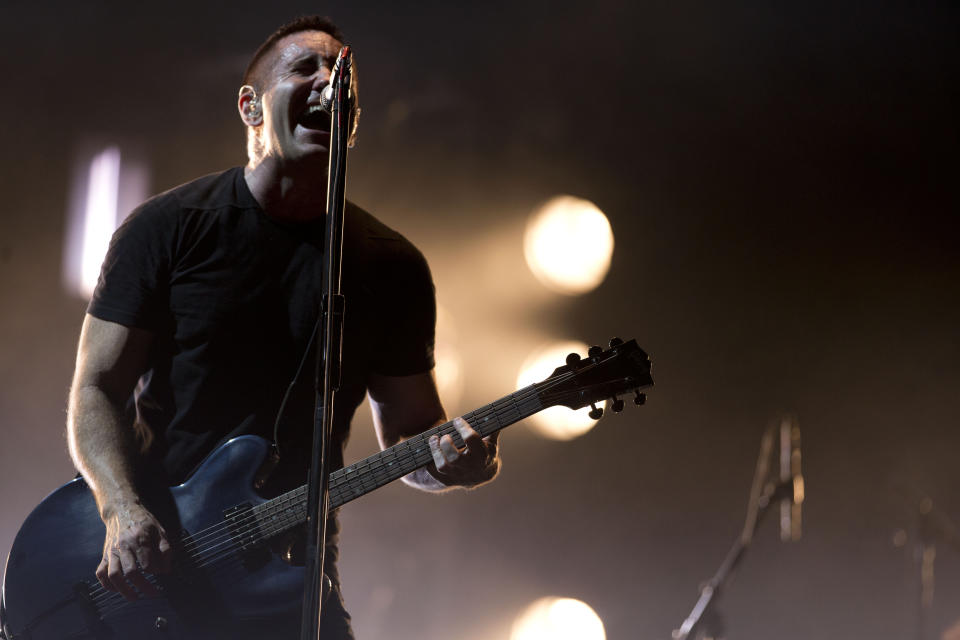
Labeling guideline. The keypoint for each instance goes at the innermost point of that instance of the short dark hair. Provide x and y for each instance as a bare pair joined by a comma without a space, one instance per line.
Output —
253,74
303,23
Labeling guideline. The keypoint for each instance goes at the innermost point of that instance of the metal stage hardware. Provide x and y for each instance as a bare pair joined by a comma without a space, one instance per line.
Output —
704,622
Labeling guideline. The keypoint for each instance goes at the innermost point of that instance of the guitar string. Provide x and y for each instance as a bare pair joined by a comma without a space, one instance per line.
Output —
343,475
288,519
285,503
348,475
285,516
289,515
284,512
381,472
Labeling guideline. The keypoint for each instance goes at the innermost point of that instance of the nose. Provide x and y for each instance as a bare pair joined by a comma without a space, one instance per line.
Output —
321,78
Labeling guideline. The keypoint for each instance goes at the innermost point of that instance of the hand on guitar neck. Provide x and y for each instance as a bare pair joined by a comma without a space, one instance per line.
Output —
478,462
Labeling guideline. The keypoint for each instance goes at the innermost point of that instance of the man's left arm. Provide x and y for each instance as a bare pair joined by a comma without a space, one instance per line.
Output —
405,406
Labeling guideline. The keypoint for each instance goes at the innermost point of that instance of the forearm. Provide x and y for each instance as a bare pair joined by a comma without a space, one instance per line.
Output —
102,447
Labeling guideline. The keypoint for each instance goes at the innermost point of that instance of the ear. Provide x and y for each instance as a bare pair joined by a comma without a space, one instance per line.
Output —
248,104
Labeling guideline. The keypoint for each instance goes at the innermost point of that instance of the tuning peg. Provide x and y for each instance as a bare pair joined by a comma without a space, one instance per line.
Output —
615,342
594,351
573,359
617,405
595,411
639,398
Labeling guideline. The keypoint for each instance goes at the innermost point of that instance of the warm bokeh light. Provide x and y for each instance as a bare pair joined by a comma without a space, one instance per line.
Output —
556,423
558,619
449,368
568,245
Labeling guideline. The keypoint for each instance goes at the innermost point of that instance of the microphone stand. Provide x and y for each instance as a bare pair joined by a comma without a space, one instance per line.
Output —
763,493
330,333
933,527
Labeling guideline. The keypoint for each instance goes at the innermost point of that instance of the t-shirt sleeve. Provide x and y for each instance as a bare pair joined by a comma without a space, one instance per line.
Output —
133,286
410,316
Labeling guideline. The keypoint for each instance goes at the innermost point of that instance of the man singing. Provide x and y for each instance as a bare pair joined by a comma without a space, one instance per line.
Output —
204,313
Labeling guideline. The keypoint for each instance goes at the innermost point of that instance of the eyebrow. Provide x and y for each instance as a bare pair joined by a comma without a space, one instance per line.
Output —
311,56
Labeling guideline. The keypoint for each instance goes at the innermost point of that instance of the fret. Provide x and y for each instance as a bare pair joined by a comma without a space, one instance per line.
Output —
578,384
360,478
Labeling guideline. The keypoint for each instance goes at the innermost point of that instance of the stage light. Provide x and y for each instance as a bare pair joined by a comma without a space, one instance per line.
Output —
556,423
558,619
449,364
104,191
568,245
100,215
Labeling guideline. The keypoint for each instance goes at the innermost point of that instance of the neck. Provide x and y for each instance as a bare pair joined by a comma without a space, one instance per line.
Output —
298,194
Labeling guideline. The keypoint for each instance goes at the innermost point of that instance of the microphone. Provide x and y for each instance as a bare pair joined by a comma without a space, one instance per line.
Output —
326,96
791,481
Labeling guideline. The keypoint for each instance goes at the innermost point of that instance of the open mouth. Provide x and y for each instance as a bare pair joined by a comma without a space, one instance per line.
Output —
315,118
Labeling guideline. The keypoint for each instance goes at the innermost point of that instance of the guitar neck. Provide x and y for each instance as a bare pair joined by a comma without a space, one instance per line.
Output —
290,509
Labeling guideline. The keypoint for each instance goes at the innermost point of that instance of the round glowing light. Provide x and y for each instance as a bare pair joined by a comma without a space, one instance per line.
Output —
568,244
556,423
558,619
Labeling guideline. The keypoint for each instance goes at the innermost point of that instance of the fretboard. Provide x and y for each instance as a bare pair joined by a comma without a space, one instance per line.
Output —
290,509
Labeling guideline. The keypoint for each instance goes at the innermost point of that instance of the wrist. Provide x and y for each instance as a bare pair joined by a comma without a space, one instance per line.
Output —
119,500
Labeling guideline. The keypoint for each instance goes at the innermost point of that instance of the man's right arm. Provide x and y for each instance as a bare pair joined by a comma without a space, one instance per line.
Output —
110,359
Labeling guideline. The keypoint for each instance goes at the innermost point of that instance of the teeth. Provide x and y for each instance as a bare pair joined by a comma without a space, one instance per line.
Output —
313,109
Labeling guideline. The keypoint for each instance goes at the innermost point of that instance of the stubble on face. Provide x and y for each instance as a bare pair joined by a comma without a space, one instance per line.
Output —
295,74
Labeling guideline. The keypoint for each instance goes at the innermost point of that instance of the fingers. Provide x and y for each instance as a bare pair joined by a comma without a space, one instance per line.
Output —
139,548
102,574
166,554
444,452
153,551
472,465
134,575
121,566
120,571
475,445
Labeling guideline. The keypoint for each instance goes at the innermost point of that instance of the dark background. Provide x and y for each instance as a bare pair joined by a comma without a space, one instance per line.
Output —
781,182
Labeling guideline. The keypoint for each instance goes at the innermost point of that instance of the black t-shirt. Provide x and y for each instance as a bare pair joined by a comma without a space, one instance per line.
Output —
232,296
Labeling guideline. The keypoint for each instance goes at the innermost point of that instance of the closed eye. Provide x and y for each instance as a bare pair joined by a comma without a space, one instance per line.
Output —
305,67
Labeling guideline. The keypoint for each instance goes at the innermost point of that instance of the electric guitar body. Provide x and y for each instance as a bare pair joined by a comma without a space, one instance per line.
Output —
218,591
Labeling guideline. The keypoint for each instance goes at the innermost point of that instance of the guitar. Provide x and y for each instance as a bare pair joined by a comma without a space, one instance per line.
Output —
228,577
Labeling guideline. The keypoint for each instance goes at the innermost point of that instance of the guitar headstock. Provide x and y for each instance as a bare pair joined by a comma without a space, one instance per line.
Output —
623,368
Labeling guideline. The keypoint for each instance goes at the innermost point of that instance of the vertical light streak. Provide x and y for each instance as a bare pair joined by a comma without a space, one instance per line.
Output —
99,215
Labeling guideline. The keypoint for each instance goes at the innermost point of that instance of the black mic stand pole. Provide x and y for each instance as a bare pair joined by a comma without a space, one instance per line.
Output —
763,493
328,357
